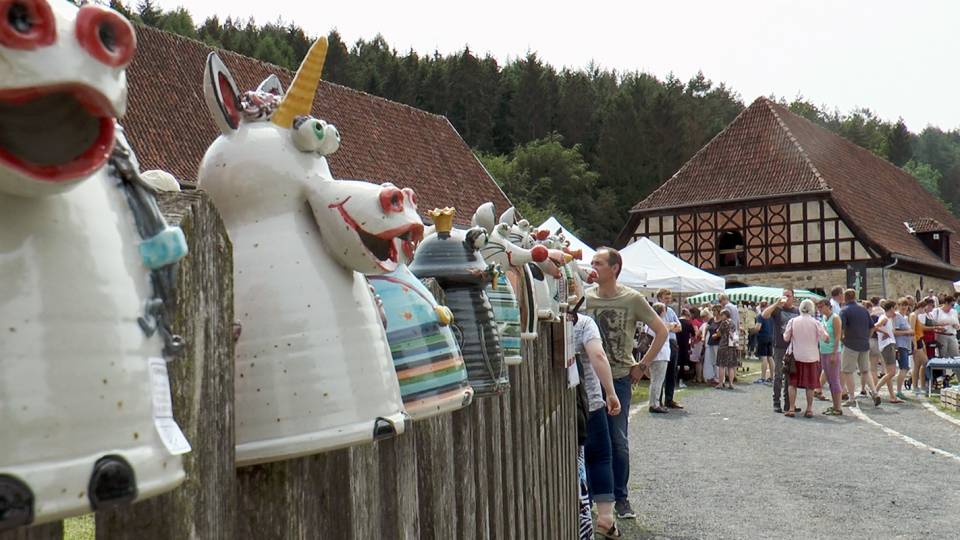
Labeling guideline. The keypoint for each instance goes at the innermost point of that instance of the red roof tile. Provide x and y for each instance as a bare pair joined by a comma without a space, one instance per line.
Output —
768,151
924,224
170,127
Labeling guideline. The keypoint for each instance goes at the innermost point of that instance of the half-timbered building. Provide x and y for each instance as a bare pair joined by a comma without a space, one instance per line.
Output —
775,199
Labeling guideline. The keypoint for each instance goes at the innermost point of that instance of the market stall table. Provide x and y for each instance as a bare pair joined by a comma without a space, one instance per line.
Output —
940,363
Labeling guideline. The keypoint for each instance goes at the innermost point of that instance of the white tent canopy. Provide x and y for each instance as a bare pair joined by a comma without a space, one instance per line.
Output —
632,277
665,271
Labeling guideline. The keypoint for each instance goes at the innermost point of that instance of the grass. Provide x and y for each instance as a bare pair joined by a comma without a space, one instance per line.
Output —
79,528
935,399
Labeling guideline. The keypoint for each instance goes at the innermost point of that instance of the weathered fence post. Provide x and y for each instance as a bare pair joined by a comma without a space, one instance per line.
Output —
48,531
201,382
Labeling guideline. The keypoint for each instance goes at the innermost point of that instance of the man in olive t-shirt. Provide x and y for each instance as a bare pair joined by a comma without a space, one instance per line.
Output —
616,309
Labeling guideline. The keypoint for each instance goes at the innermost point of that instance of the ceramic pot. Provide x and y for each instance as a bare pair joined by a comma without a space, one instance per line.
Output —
313,370
430,368
453,259
85,416
506,314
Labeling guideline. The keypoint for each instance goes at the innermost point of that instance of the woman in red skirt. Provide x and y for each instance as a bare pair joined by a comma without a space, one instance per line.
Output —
804,334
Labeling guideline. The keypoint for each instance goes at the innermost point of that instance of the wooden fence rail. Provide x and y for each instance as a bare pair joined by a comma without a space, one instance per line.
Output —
503,468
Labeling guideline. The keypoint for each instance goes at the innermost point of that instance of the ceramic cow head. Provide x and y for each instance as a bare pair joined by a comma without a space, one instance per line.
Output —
62,86
365,227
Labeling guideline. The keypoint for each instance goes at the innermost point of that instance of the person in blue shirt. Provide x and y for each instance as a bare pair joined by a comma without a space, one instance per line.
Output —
665,297
765,345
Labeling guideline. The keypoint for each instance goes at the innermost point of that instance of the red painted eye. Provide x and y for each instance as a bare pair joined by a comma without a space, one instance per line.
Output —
26,24
391,198
106,35
542,234
411,195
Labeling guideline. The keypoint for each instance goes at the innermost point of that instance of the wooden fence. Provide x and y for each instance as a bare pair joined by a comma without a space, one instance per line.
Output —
504,467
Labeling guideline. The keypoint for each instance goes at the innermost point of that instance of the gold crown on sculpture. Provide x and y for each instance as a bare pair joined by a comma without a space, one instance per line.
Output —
443,218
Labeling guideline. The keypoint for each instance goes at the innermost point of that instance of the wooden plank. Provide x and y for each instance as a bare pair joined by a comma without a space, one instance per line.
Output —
333,510
509,474
364,492
466,496
47,531
480,451
201,382
436,471
494,464
398,486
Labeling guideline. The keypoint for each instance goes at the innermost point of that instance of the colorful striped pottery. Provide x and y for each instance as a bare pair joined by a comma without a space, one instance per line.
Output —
430,368
506,313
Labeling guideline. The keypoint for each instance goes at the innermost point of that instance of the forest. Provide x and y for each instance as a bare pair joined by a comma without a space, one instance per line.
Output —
582,144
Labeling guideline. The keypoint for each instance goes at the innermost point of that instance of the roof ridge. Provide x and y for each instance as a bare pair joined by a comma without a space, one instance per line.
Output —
796,142
275,67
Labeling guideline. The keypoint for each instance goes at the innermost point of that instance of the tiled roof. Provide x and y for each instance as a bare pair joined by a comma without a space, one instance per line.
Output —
170,127
768,151
925,224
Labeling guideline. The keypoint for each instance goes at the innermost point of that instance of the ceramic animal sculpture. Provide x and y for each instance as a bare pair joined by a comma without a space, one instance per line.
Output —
510,258
433,378
453,258
87,264
314,370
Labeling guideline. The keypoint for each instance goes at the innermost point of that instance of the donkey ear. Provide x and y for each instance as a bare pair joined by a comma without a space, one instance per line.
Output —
484,216
220,93
271,85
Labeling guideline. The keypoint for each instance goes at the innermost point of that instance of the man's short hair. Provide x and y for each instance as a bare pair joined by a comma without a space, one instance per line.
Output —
613,258
947,300
849,295
887,305
661,292
836,291
875,300
785,289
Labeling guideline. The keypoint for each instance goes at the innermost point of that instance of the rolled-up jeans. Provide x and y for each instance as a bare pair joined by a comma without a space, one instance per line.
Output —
619,438
779,386
599,457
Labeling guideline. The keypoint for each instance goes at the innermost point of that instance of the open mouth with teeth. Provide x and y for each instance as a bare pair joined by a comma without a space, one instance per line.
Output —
385,247
55,133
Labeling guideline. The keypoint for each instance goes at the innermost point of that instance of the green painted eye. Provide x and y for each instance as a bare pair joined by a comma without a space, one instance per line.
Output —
318,130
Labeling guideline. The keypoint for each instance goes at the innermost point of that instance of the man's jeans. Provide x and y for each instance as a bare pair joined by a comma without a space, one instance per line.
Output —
619,438
779,384
670,381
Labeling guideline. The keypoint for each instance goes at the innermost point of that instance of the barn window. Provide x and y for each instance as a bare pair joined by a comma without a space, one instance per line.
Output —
730,252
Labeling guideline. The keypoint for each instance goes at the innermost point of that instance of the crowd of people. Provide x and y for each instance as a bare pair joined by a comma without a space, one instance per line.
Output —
621,339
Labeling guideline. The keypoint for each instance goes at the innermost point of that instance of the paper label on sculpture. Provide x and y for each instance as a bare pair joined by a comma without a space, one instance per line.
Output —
168,430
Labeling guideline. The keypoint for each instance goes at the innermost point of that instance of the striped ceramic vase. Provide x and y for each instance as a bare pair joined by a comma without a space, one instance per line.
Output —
506,313
433,378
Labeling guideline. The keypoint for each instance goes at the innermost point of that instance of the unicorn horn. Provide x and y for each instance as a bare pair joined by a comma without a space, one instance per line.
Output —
299,99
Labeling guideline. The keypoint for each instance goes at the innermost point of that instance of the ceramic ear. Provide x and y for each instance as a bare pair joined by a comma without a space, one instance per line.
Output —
220,93
271,85
484,217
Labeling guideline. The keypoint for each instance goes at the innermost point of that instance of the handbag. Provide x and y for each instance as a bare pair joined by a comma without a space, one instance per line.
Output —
789,361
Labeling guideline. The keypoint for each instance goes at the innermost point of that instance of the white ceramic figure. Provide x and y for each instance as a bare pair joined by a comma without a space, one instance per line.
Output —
86,261
314,370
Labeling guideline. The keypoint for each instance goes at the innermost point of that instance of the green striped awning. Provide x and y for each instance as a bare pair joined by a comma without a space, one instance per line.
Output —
752,294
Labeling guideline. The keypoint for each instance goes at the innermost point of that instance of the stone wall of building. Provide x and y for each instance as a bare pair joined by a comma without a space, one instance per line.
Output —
898,282
806,279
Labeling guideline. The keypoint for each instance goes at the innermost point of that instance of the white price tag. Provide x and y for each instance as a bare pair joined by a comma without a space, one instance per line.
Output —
174,439
167,428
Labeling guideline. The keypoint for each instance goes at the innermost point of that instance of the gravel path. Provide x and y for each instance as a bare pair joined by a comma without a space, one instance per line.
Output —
728,467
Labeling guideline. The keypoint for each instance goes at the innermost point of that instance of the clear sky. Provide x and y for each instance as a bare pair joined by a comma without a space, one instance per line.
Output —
897,57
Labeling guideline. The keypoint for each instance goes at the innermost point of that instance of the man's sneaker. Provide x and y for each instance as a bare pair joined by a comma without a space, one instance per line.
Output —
777,409
623,510
681,385
759,381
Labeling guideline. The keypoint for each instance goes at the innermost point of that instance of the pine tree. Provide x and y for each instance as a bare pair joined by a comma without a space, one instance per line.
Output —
899,144
148,12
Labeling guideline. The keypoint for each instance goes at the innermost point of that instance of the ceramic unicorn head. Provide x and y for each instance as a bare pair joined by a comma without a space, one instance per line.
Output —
314,369
86,255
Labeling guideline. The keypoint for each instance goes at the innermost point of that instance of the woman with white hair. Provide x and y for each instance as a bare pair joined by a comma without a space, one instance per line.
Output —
804,334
